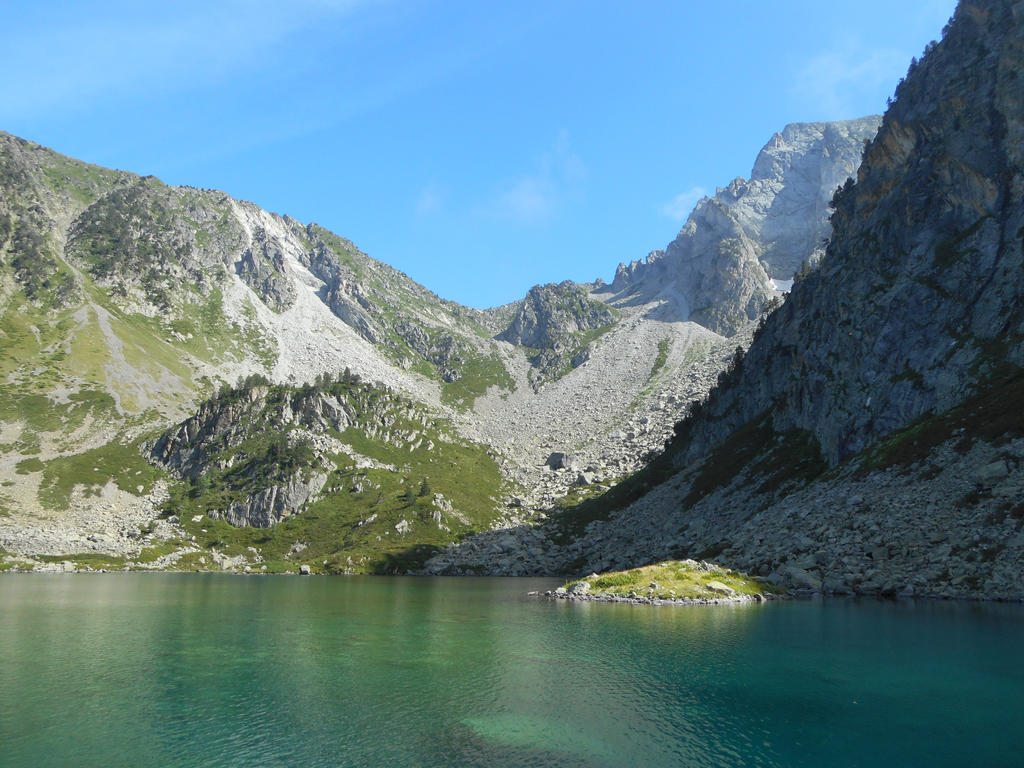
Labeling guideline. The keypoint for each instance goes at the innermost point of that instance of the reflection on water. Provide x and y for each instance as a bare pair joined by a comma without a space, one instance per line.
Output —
198,670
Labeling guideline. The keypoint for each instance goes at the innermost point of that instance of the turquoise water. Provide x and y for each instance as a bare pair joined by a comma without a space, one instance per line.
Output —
209,670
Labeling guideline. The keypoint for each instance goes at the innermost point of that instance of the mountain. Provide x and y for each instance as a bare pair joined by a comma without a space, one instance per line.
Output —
871,440
738,248
168,353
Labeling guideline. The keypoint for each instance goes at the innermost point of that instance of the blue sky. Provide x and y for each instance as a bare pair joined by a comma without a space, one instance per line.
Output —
480,147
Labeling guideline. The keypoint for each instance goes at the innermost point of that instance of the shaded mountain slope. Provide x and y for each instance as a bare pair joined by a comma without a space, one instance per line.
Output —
871,440
918,300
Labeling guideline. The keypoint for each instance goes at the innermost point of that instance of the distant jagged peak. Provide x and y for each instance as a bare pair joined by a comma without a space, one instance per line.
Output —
721,269
797,140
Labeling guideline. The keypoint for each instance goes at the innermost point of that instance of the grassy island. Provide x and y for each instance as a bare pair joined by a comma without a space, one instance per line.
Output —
683,580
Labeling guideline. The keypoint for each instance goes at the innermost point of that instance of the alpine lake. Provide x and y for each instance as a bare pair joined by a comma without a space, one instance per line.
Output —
216,670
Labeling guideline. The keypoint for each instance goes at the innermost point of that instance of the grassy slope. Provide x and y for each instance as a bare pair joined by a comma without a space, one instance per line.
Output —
397,299
351,528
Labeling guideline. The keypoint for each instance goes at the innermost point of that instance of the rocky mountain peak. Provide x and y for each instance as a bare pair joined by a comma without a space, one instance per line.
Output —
553,312
719,270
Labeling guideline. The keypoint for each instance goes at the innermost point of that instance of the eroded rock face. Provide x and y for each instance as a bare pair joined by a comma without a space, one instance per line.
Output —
719,269
274,504
275,482
222,424
262,267
918,297
155,243
552,313
554,320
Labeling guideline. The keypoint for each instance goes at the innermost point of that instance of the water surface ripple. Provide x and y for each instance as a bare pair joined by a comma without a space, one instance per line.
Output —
206,670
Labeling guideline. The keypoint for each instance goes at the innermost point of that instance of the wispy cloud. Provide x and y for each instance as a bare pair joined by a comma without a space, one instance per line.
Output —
429,201
529,199
828,79
538,195
679,207
147,47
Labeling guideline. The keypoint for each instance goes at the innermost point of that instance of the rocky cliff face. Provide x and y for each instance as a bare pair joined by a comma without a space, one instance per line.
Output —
720,268
872,438
918,298
553,312
343,471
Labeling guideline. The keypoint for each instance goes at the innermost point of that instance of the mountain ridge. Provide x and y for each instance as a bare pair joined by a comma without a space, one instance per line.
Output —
168,294
871,439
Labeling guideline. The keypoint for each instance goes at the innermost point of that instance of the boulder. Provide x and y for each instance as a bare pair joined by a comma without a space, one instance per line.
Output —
720,588
584,479
991,473
797,578
560,460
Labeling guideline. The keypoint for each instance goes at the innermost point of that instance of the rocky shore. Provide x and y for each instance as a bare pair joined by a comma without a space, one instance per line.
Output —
603,597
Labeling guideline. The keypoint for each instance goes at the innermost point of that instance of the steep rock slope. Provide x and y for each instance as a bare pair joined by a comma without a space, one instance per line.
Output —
719,271
558,323
872,439
919,298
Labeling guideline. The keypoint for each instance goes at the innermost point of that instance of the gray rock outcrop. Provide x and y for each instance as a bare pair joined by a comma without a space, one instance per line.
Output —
262,268
719,270
272,505
553,321
551,313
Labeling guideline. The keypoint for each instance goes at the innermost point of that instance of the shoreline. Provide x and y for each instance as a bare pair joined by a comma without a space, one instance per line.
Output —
555,594
746,599
606,597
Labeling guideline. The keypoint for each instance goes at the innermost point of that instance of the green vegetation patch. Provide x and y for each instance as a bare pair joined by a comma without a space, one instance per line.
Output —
80,181
676,580
27,466
661,359
377,516
41,414
122,463
13,565
30,336
86,560
477,374
208,336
